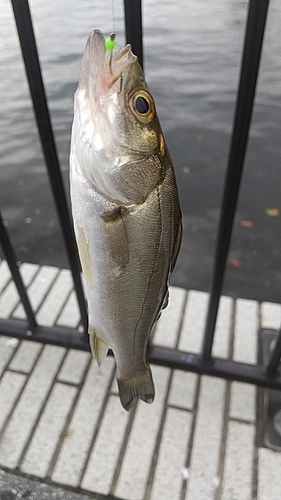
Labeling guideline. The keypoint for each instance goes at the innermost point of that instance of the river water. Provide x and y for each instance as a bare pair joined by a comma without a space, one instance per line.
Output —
192,56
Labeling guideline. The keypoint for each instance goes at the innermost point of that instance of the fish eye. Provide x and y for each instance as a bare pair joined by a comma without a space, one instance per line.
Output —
142,106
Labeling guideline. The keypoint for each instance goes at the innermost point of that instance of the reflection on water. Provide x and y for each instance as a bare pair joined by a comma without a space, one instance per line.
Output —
192,57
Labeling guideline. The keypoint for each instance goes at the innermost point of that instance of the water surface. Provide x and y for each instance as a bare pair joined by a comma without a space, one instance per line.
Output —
192,56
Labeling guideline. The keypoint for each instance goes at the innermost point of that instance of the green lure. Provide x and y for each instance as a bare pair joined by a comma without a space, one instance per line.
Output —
110,43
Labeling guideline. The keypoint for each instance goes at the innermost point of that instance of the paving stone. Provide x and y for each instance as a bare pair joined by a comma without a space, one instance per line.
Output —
45,439
5,274
270,315
243,401
51,308
223,328
104,457
182,391
136,465
25,356
167,326
269,474
70,315
76,445
246,331
207,440
74,366
7,347
194,322
238,470
8,300
38,289
28,271
28,407
168,476
10,387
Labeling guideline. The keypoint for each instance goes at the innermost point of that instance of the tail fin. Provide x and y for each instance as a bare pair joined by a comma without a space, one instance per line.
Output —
141,387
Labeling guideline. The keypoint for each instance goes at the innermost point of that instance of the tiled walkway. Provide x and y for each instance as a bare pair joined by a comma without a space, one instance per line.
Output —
61,421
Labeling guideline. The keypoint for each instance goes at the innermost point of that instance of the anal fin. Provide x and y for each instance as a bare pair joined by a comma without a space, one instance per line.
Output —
98,346
138,387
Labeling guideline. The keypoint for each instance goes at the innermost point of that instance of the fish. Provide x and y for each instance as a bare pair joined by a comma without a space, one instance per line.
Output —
126,212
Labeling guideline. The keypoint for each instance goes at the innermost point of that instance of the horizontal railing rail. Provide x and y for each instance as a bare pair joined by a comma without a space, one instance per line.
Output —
204,362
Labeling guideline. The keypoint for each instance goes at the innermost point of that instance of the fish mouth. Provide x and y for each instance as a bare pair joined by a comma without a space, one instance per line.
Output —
101,68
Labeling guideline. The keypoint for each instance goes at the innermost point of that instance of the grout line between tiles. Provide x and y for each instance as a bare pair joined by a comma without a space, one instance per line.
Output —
194,411
68,418
10,358
184,306
97,427
123,447
150,478
43,406
259,394
27,375
220,472
6,285
180,408
26,288
50,286
241,420
20,372
153,463
191,439
62,307
255,477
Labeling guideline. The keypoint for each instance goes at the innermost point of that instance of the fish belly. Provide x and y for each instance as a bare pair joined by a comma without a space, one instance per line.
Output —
126,256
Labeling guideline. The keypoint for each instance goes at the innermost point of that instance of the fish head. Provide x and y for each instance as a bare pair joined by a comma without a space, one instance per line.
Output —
116,113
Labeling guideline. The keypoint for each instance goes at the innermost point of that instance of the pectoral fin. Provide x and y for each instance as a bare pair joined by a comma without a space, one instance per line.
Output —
98,346
117,237
84,254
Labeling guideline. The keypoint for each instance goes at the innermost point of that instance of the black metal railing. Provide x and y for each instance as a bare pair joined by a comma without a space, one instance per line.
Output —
203,363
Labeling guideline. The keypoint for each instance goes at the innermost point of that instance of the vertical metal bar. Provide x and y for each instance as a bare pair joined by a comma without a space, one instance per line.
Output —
37,91
133,25
274,357
248,77
13,265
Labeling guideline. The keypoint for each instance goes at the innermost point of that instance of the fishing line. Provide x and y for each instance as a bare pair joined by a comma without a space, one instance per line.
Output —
113,16
110,43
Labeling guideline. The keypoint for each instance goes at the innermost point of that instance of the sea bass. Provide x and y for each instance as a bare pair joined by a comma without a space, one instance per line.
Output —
126,212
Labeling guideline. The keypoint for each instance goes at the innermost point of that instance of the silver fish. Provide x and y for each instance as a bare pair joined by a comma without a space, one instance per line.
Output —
126,212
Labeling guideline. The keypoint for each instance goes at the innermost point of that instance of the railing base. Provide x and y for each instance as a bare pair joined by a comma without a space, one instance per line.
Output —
158,355
64,337
272,399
